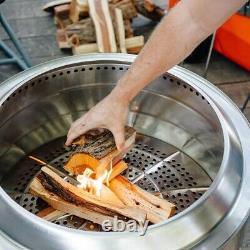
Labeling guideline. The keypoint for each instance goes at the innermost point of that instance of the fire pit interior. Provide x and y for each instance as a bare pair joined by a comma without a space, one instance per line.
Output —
178,149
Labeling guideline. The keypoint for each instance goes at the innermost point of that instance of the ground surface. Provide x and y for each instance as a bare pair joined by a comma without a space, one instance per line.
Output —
36,31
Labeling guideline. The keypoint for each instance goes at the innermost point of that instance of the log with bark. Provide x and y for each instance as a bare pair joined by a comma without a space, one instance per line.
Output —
68,198
148,9
98,150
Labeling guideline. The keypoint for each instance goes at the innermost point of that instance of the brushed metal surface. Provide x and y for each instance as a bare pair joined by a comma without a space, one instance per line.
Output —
178,109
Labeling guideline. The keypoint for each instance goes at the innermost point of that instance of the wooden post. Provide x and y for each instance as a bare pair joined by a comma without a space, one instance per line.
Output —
99,11
120,30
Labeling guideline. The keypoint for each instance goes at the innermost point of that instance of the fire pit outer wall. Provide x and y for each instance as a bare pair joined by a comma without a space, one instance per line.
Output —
179,109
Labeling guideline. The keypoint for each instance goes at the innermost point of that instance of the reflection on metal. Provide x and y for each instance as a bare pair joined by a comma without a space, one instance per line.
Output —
178,112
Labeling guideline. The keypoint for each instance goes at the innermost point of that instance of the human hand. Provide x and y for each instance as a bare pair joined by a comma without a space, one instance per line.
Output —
111,113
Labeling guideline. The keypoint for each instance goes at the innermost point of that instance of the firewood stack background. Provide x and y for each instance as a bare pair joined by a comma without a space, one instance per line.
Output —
88,26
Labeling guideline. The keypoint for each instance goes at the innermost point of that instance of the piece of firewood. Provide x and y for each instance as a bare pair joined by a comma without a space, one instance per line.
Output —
84,29
149,9
62,39
74,40
50,214
134,44
157,209
126,6
99,11
120,30
62,11
77,196
128,28
52,4
135,41
61,23
98,215
98,151
78,8
85,49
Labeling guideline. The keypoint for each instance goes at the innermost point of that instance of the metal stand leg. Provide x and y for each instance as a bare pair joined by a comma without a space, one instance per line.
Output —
13,57
245,103
209,55
17,44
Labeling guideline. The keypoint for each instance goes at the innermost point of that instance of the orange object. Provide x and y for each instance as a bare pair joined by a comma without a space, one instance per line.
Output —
172,3
233,40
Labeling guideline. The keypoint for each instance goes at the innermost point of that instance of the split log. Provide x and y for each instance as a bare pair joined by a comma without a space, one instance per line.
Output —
50,214
81,198
52,4
99,11
62,11
74,40
128,29
126,6
62,39
84,29
98,151
157,209
78,9
61,23
56,202
133,45
120,30
148,9
85,49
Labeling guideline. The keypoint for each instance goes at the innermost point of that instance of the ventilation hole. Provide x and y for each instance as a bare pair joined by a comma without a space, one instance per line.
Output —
65,222
165,78
98,68
91,68
121,68
61,73
83,69
46,78
185,86
197,93
20,90
76,70
14,94
191,90
68,72
203,98
113,68
178,83
40,80
54,75
105,67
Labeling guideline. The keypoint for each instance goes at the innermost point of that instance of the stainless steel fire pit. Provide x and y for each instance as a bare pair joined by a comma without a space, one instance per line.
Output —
191,148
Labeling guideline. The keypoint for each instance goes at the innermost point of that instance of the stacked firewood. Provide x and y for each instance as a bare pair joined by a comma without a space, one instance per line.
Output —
98,191
88,26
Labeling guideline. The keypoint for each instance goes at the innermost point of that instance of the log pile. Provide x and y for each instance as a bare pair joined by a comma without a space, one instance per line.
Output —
106,194
88,26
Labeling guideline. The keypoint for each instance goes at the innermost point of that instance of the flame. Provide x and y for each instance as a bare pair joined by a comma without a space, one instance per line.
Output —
86,180
92,185
88,183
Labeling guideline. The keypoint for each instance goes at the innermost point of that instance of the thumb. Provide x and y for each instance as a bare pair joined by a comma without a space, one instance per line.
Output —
118,133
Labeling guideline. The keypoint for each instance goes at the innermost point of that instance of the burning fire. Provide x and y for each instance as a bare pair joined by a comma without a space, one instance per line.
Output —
88,183
92,185
86,180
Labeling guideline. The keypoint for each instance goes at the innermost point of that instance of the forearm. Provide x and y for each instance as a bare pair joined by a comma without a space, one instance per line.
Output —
190,22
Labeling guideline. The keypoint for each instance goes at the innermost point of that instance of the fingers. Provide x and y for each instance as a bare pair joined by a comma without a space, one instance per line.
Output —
118,133
75,132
